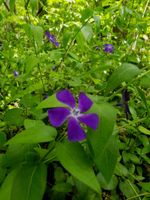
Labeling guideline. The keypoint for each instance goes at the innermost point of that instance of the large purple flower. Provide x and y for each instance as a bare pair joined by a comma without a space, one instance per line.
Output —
74,115
108,48
51,38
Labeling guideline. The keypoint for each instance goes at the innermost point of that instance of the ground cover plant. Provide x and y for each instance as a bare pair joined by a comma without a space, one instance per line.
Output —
74,100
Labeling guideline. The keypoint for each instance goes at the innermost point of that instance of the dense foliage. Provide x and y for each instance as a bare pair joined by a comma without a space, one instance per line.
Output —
99,51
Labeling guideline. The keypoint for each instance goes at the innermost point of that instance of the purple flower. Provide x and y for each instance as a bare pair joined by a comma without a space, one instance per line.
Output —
108,48
16,73
51,38
74,115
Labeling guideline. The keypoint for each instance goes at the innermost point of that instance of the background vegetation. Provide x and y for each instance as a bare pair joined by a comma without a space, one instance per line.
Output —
36,160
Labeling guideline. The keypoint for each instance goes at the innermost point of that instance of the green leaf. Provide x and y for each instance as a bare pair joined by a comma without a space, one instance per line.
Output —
28,123
33,135
144,130
74,160
107,186
87,32
34,6
51,102
31,62
37,32
12,4
2,138
125,73
14,117
5,189
128,188
30,182
145,81
103,144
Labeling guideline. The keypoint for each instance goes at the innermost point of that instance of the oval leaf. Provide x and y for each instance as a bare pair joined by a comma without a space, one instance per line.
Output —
74,160
33,135
124,73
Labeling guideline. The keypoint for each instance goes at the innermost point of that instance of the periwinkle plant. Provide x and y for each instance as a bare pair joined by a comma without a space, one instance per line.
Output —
75,115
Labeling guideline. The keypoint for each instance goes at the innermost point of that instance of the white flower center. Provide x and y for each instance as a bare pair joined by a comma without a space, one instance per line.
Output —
75,112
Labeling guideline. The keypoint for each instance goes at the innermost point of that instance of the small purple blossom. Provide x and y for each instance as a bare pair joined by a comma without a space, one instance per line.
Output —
16,73
51,38
108,48
97,48
73,114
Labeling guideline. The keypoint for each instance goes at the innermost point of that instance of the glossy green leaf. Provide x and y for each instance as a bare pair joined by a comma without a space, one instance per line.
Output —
37,32
30,182
103,144
33,135
144,130
14,117
31,62
125,73
6,187
87,32
75,160
51,102
28,123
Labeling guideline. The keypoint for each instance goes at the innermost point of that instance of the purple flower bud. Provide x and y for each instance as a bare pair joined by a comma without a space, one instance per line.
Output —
16,73
51,38
97,48
108,48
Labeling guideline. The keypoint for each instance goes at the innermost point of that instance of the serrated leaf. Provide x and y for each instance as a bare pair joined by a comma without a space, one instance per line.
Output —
74,160
125,73
34,135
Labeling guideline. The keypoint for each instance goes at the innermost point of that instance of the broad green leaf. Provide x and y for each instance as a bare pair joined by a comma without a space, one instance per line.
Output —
51,102
2,138
12,4
107,186
87,32
74,160
31,62
86,13
34,6
145,81
144,130
128,189
28,123
33,135
6,187
37,32
14,117
30,182
125,73
103,144
17,154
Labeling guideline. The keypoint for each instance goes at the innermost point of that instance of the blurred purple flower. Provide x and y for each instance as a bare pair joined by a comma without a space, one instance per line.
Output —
74,115
16,73
108,48
51,38
97,48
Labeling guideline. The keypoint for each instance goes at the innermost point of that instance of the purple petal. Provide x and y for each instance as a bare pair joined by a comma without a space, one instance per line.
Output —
91,120
66,97
57,116
75,132
84,102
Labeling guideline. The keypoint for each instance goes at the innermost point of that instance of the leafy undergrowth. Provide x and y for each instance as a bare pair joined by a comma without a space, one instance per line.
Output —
98,50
